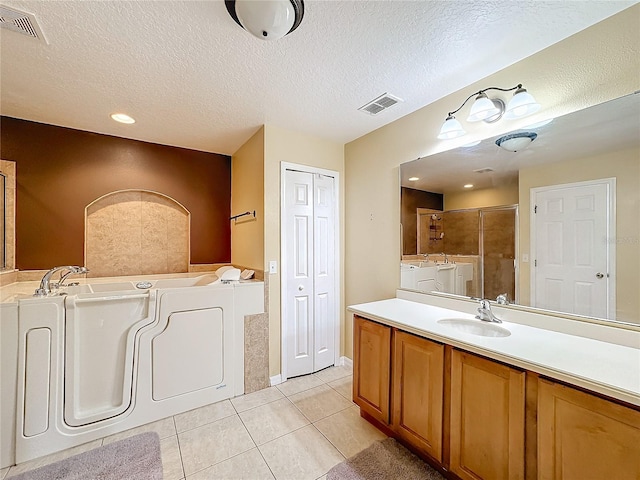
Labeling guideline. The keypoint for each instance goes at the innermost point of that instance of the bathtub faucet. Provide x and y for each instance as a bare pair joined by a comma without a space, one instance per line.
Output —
46,285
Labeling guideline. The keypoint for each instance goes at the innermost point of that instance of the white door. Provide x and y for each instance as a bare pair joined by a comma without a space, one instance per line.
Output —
309,313
573,262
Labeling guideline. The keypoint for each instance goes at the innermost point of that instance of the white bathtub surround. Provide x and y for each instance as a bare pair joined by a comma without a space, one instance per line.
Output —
109,356
591,356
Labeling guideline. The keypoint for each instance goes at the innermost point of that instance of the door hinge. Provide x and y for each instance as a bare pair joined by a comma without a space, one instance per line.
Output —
535,263
535,209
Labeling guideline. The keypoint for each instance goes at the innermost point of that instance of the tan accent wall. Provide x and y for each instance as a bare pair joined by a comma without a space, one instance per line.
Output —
136,232
624,166
598,64
247,194
293,147
485,197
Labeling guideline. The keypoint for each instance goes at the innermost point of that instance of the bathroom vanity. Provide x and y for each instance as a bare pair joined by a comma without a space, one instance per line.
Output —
499,401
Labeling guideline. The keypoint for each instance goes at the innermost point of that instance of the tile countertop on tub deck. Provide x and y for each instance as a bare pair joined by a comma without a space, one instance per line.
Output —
606,368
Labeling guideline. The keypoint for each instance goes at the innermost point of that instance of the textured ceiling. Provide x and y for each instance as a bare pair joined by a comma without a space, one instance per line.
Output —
193,78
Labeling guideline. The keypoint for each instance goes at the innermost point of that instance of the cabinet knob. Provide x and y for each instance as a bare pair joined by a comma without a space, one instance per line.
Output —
300,288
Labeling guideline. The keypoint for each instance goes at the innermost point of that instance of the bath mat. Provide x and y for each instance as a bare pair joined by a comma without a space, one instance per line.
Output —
134,458
383,460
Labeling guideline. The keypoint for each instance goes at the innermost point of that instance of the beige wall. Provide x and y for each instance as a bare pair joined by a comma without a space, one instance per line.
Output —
593,66
247,194
292,147
486,197
624,166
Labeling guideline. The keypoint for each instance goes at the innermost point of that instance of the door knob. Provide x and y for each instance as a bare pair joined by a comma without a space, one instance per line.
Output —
599,275
300,288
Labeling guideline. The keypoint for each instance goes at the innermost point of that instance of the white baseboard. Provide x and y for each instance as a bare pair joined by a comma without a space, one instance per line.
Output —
346,361
275,380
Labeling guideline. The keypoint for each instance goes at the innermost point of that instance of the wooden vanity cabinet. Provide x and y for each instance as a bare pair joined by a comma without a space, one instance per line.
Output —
371,367
487,425
584,436
418,386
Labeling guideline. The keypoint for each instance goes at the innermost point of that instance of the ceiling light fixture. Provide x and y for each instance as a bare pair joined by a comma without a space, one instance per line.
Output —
122,118
413,179
490,110
468,185
267,19
514,142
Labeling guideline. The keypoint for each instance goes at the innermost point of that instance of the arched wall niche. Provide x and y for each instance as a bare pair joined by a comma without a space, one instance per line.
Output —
134,232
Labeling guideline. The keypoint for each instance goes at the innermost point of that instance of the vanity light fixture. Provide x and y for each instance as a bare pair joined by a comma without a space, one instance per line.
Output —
514,142
122,118
413,179
490,110
267,19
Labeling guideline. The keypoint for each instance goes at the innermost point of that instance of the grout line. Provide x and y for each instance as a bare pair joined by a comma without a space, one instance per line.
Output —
184,473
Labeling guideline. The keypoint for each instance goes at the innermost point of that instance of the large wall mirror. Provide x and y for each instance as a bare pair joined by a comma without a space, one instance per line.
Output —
545,217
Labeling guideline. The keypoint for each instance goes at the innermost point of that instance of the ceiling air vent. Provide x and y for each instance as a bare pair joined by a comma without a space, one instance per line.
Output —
484,170
20,22
379,104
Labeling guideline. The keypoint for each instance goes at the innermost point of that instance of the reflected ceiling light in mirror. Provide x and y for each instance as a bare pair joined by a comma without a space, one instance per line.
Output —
413,179
490,110
468,185
267,19
514,142
122,118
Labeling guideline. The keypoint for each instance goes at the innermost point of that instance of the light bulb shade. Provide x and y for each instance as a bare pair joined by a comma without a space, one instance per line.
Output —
521,104
267,19
451,128
482,108
515,142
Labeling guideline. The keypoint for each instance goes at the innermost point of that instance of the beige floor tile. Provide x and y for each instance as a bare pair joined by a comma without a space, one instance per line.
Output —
334,373
203,415
164,428
344,386
246,466
272,420
255,399
301,455
299,384
171,460
319,402
54,457
348,431
215,442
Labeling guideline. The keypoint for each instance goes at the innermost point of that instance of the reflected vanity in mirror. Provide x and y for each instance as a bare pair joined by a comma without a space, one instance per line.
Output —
7,214
554,224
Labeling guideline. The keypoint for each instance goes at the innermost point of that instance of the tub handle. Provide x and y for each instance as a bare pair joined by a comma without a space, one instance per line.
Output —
113,297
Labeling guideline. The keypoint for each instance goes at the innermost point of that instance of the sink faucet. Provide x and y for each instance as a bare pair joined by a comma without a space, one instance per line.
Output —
485,314
45,283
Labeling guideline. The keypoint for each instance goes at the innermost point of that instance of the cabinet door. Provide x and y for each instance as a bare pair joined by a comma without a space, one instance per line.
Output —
584,436
418,371
371,369
487,419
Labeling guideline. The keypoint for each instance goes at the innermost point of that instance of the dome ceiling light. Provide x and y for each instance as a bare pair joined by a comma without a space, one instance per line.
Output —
490,110
514,142
267,19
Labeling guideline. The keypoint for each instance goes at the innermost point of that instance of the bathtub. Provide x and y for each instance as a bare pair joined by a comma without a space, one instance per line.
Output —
107,356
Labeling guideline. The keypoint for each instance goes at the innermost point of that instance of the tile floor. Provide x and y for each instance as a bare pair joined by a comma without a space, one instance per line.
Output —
296,430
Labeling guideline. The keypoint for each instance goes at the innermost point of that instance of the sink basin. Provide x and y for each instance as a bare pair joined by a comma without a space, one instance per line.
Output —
475,327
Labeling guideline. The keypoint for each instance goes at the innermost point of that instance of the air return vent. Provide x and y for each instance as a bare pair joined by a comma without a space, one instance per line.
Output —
379,104
21,22
484,170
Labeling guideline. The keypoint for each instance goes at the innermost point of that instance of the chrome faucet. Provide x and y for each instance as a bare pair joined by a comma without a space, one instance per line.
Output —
46,285
485,314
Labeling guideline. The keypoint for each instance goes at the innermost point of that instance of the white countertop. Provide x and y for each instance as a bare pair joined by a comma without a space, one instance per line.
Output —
603,367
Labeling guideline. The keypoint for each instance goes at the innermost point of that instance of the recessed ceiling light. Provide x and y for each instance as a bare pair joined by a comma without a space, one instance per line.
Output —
468,185
122,118
413,179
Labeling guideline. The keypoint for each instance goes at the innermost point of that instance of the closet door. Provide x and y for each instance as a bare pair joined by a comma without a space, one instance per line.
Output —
298,311
324,272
